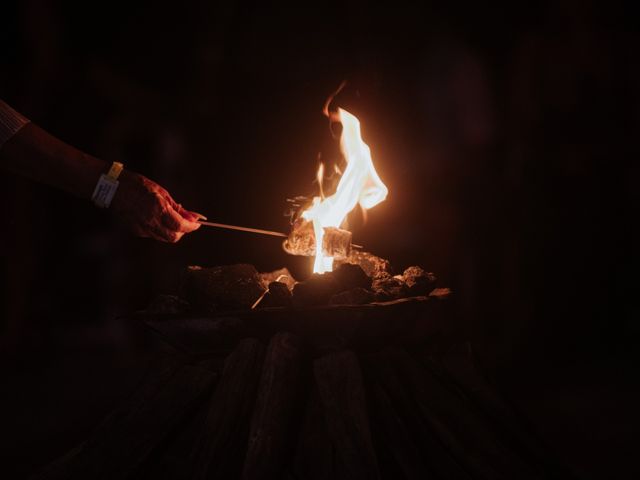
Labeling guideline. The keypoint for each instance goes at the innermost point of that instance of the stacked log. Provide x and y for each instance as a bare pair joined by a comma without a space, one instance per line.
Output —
330,391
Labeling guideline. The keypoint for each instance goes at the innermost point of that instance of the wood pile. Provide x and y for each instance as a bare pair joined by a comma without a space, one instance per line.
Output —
313,389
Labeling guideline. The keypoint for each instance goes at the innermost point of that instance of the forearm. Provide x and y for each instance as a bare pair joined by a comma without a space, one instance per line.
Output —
142,204
35,154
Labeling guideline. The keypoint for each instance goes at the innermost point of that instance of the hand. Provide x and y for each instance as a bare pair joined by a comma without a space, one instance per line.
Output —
149,211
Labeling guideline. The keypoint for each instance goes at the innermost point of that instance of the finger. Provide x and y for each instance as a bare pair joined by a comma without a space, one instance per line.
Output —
177,223
174,237
193,216
199,215
164,234
167,196
156,232
189,215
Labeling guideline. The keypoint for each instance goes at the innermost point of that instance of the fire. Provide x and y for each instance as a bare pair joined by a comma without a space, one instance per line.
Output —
360,184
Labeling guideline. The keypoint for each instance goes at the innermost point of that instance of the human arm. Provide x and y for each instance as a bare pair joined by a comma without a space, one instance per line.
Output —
143,205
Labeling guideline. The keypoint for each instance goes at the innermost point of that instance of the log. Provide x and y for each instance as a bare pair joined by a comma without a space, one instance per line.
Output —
220,452
341,390
470,437
175,458
314,455
397,401
128,436
395,437
76,459
459,371
272,433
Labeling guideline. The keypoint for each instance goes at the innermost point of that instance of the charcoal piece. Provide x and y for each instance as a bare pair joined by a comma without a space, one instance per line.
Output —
277,295
372,265
419,282
355,296
348,276
386,287
279,290
225,287
336,243
166,305
281,275
316,290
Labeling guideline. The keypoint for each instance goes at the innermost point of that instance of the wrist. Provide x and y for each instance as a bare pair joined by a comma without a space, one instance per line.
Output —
107,186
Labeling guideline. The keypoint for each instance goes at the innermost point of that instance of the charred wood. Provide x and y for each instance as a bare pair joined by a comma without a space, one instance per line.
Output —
314,457
126,439
276,412
470,437
221,449
342,393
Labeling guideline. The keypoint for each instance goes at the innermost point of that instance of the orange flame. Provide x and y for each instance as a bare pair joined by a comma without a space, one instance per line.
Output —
360,184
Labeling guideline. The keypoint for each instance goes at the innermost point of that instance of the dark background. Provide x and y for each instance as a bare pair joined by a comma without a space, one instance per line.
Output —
507,135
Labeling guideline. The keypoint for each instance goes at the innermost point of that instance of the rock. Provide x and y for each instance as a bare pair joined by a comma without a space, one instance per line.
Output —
281,275
372,265
225,287
419,282
278,295
316,290
349,276
386,287
355,296
441,293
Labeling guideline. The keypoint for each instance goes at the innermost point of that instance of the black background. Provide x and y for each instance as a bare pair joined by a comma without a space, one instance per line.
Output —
507,135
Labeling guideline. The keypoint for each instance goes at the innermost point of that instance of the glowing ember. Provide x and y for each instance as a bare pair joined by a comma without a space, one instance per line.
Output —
360,184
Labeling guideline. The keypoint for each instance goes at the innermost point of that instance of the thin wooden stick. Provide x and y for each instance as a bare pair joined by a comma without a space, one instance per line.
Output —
244,229
253,230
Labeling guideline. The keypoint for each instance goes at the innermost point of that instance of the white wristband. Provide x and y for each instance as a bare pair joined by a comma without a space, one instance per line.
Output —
107,186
